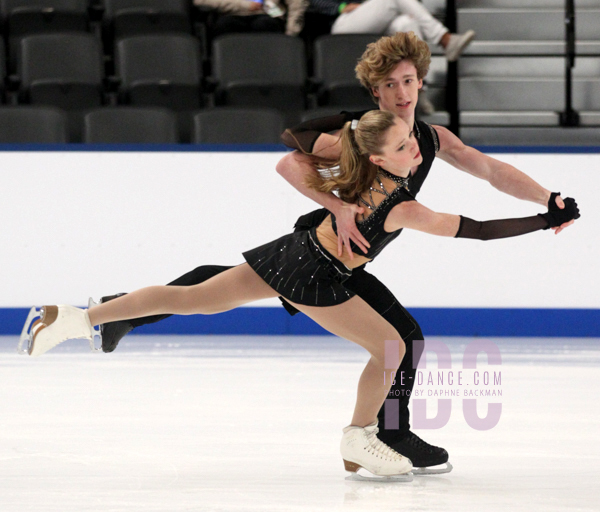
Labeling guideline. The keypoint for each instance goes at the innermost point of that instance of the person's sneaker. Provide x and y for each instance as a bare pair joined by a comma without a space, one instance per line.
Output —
113,332
423,455
457,44
360,448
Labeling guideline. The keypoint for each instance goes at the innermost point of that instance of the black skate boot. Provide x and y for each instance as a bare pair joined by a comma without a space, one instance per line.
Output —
113,332
423,455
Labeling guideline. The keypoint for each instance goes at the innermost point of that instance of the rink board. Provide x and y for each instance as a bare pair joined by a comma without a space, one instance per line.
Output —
82,221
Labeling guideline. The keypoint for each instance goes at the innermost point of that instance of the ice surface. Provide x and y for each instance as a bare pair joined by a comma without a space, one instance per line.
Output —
254,424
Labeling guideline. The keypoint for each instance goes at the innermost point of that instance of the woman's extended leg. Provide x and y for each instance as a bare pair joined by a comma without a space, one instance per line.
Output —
223,292
356,321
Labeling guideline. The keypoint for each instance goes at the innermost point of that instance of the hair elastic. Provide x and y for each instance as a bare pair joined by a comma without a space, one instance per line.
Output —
354,124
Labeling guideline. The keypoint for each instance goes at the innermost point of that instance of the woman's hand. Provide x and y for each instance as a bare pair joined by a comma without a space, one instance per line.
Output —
556,202
345,218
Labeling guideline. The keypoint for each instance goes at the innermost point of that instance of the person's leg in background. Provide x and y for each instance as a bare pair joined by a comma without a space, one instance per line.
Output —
380,17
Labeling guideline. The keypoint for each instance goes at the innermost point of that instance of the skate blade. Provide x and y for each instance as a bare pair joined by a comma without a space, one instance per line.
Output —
97,333
369,477
27,332
433,471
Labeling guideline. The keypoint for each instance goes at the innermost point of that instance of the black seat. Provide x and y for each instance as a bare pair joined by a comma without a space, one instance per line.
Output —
260,70
25,17
160,70
124,18
63,70
130,125
41,125
238,126
335,57
3,69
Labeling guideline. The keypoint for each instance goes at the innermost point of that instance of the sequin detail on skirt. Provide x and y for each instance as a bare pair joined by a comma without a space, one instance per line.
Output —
301,270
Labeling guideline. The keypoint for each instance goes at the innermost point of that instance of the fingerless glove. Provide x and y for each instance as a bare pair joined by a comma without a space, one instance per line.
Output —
557,216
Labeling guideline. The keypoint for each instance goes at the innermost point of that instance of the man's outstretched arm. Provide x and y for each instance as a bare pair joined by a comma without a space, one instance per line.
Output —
500,175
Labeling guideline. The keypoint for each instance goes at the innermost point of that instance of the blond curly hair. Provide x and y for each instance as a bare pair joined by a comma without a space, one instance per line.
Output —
382,56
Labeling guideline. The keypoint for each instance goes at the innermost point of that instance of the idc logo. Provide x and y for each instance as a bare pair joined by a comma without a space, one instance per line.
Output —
444,384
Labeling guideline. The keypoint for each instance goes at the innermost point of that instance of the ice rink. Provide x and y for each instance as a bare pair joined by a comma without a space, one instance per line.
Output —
254,424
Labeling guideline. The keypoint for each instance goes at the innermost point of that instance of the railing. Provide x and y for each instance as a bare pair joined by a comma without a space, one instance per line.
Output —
452,75
569,117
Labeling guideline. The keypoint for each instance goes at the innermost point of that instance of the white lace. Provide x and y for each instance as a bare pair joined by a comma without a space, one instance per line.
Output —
379,448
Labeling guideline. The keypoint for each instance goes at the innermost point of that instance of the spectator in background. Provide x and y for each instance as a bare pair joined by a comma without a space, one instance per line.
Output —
386,17
256,16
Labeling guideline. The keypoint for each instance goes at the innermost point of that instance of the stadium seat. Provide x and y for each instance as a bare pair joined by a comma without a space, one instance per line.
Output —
24,17
21,18
260,70
33,125
130,125
160,70
238,126
124,18
2,68
441,118
335,57
63,70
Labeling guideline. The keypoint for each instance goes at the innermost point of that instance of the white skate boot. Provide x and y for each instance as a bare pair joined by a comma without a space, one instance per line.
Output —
360,448
55,325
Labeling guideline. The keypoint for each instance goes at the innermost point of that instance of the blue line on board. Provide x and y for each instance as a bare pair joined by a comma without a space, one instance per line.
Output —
492,322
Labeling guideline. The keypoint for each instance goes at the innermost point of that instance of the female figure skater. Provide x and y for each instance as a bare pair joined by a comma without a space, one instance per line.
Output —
378,152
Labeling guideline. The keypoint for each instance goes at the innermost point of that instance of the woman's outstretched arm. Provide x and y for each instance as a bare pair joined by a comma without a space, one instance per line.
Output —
413,215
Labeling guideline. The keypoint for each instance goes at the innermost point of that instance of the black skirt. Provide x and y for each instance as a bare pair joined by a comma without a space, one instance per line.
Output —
301,270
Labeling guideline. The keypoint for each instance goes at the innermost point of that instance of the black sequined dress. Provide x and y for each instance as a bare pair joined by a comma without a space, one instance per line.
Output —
301,270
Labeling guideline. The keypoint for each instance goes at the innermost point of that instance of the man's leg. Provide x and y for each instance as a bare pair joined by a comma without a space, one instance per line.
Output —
404,23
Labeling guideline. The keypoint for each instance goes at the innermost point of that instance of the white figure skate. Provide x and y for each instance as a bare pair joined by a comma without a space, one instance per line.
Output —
51,325
360,448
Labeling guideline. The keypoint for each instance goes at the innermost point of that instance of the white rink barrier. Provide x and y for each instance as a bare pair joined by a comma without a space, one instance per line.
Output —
76,224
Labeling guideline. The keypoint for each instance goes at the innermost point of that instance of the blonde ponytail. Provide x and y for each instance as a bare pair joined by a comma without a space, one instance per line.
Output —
356,171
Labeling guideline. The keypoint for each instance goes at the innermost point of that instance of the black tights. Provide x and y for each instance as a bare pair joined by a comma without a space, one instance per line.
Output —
374,293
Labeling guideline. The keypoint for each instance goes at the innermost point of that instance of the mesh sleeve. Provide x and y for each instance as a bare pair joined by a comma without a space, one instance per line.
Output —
304,135
505,228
